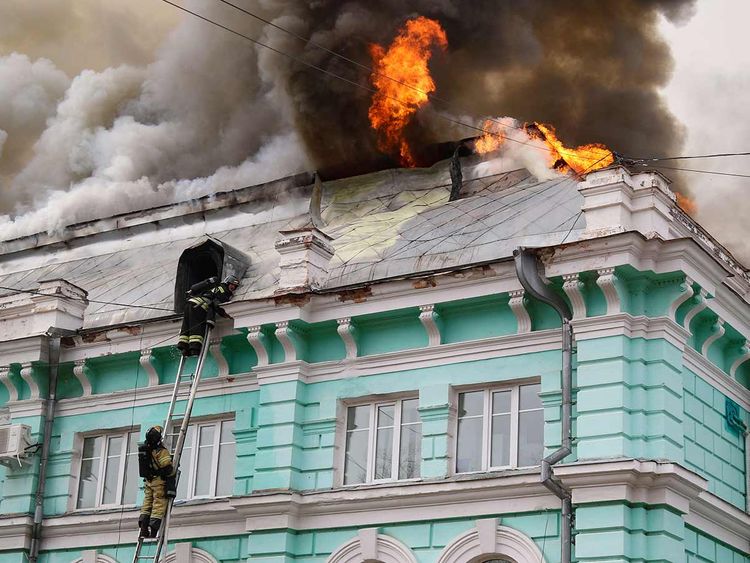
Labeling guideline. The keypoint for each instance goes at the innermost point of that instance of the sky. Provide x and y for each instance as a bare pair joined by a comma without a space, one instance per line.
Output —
707,92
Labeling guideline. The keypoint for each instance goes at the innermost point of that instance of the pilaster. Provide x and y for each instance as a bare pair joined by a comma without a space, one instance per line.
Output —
436,413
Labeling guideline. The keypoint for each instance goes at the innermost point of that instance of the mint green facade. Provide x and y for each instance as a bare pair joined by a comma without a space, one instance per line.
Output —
635,399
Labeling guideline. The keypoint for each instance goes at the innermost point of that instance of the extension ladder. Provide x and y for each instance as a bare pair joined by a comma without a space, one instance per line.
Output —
161,537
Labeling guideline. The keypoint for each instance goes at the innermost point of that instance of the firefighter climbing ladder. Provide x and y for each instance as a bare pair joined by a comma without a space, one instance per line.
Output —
172,416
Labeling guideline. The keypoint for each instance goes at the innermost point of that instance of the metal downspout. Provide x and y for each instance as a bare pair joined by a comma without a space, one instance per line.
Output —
536,285
53,360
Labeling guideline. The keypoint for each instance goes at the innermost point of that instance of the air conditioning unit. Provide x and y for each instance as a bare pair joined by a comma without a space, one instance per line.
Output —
15,440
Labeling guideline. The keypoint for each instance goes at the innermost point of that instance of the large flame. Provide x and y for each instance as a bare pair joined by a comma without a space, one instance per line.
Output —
581,159
403,82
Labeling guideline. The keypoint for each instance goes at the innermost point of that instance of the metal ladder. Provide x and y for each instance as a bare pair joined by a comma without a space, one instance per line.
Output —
161,537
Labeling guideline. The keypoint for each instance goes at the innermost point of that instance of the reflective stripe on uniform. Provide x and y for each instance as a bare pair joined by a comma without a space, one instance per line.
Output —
196,338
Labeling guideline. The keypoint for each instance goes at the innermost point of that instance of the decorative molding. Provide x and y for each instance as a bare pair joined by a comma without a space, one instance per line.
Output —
517,304
148,364
369,545
79,370
489,539
686,292
5,378
572,287
214,347
429,317
283,335
257,339
184,552
744,356
27,374
718,331
93,556
347,332
702,304
607,281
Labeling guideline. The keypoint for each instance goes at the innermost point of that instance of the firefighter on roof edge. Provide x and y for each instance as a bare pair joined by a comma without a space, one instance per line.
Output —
202,305
155,466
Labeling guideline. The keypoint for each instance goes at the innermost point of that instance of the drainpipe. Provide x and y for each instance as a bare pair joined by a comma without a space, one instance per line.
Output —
535,284
53,359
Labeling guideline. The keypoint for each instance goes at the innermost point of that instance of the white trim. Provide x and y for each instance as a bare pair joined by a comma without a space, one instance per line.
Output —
347,332
487,539
27,375
717,331
147,363
607,282
711,374
572,287
517,304
624,324
79,370
214,348
369,545
686,292
744,356
699,306
189,554
282,334
256,339
429,317
9,385
93,556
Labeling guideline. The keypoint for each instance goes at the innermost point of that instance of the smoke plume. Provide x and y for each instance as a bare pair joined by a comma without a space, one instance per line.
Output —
211,111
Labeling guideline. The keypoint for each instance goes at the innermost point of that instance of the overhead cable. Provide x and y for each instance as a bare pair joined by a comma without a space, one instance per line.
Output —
86,300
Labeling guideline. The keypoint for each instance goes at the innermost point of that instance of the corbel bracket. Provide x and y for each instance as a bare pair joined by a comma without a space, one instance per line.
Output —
214,347
148,364
429,318
27,374
743,357
5,378
717,331
607,281
347,331
572,287
257,340
686,292
79,370
284,336
517,304
702,304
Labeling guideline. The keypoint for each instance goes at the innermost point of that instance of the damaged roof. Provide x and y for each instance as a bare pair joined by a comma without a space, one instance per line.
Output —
392,223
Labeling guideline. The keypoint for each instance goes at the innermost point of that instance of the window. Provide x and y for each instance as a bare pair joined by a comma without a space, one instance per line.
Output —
383,442
499,428
207,462
109,470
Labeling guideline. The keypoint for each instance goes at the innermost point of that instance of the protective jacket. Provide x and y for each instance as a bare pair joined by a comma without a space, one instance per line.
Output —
204,299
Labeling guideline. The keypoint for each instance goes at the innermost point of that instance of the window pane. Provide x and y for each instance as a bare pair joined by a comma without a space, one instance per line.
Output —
92,447
205,457
130,487
385,416
501,402
410,456
112,470
530,437
88,483
225,473
469,450
186,461
409,412
500,453
384,453
355,464
471,404
227,431
530,397
358,418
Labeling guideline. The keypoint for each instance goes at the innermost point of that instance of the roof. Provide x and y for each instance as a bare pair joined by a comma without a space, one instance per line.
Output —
382,225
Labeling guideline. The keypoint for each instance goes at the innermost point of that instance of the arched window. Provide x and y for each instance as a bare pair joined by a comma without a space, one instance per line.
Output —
91,556
371,547
490,543
184,552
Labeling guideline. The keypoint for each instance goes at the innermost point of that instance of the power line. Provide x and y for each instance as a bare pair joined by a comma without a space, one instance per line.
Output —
351,82
659,159
731,174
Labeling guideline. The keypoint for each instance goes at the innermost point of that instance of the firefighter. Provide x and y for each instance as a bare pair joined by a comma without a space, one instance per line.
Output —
202,305
155,466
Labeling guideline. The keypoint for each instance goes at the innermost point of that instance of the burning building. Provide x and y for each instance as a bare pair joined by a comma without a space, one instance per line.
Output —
389,387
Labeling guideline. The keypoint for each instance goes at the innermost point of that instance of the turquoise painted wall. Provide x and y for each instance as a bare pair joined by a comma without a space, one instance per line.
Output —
703,548
712,449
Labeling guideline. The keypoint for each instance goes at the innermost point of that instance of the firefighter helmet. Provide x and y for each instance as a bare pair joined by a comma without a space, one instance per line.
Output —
153,436
231,279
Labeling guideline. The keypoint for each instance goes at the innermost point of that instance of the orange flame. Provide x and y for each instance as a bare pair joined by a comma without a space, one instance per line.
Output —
403,82
492,138
686,203
581,159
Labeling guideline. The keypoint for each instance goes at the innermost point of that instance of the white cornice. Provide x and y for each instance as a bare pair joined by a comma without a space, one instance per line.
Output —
624,324
628,480
715,377
15,532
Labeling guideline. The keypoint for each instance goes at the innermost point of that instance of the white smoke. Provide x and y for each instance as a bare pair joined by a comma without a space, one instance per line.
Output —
205,116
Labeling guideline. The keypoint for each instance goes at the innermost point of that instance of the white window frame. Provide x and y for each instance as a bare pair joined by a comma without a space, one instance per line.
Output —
197,424
372,440
515,412
106,435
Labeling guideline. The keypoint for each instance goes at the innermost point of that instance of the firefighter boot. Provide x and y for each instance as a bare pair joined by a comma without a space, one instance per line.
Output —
143,525
155,524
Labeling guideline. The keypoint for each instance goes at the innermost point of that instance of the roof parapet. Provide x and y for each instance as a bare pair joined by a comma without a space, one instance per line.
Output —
305,254
616,201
